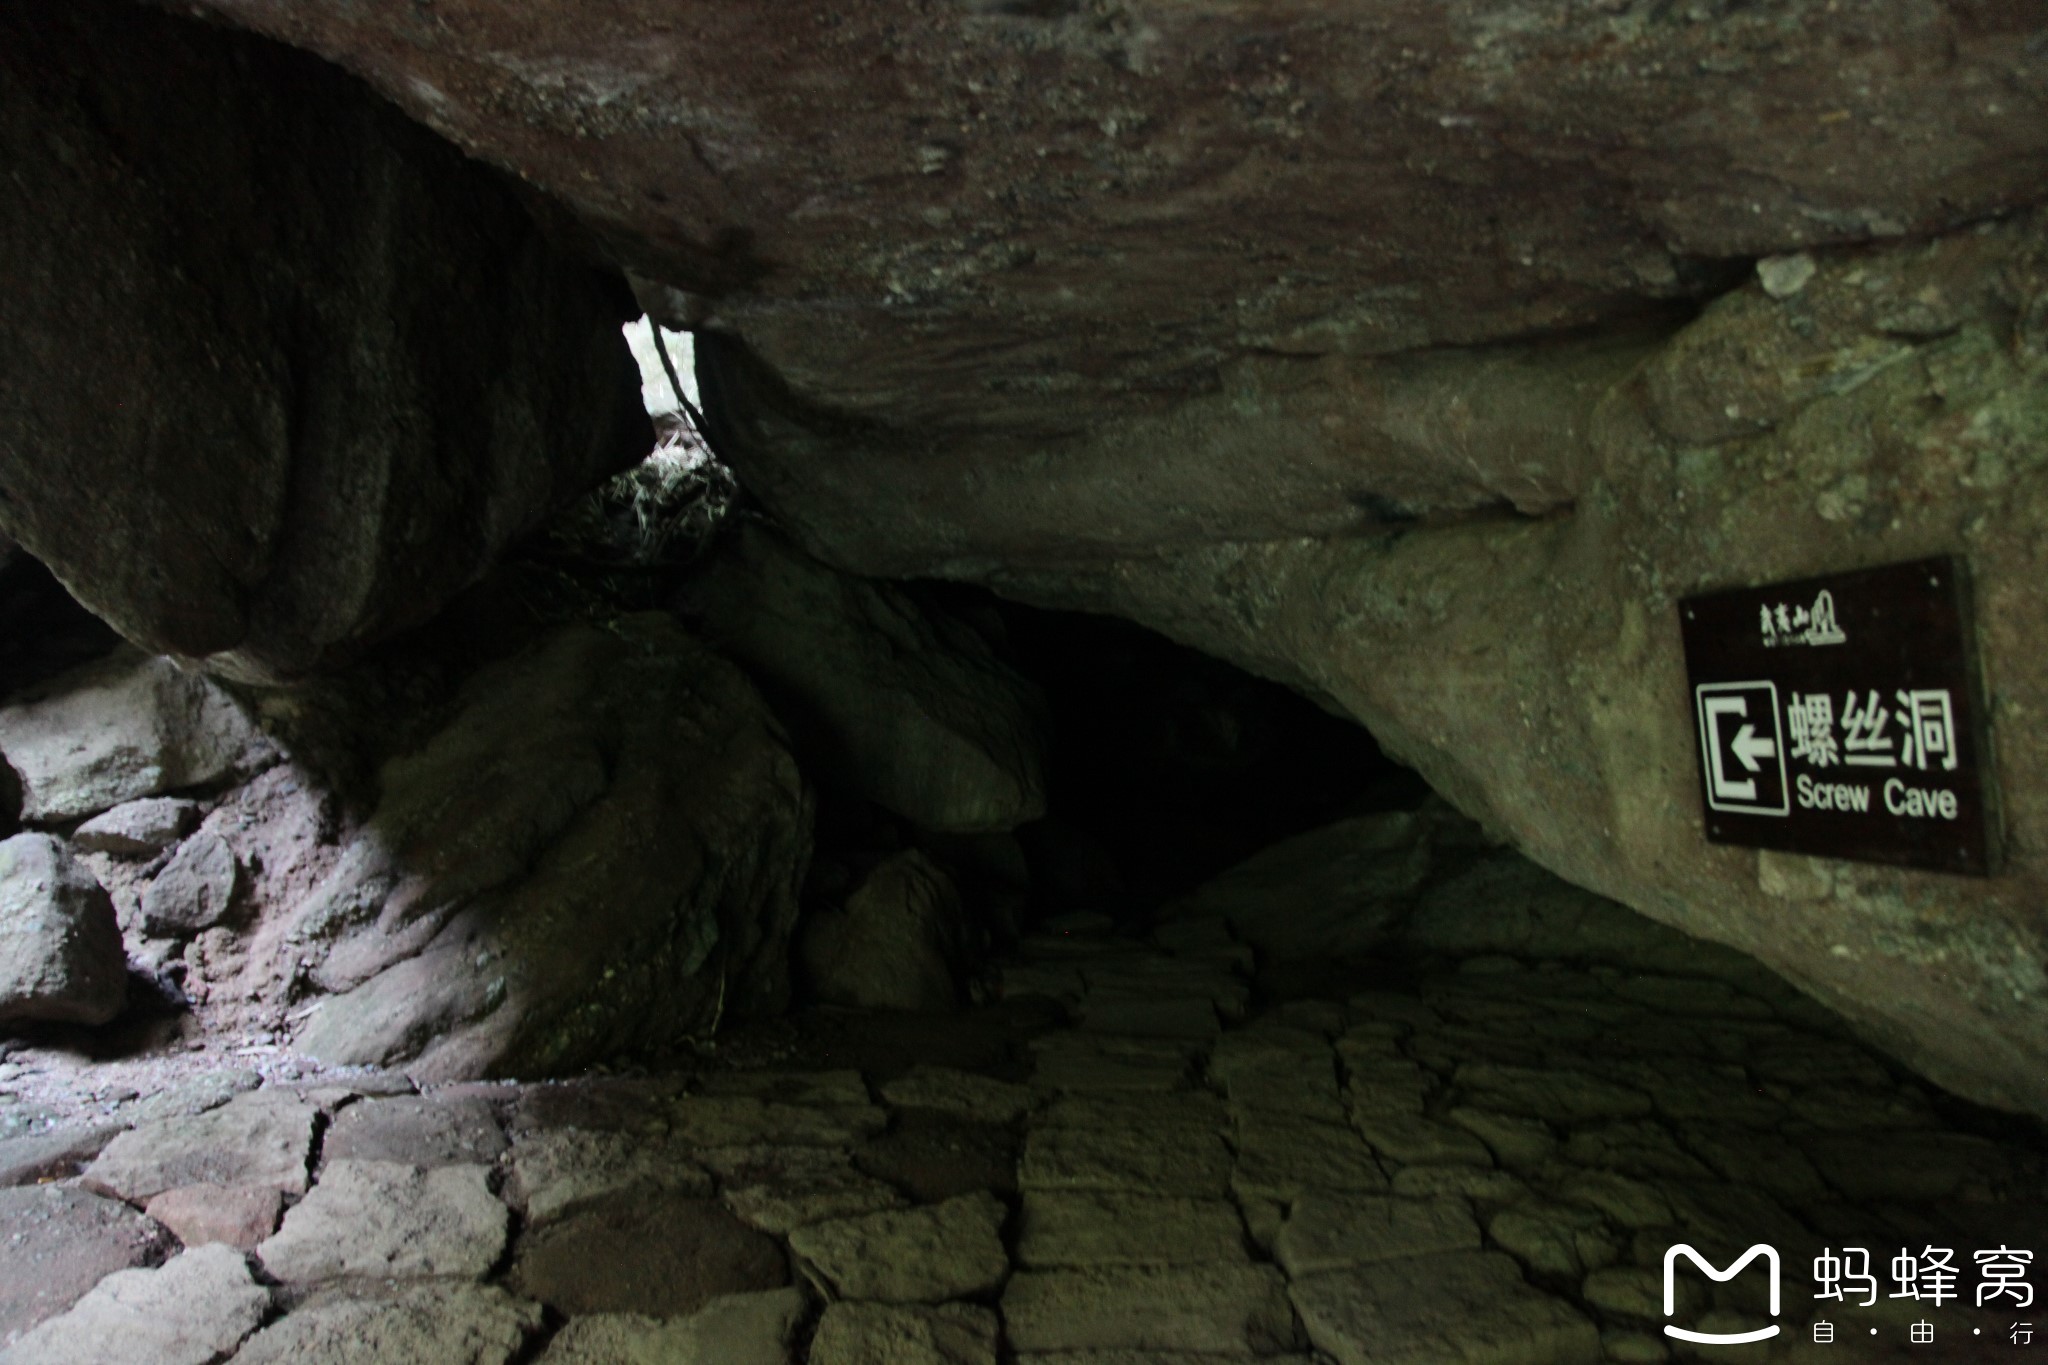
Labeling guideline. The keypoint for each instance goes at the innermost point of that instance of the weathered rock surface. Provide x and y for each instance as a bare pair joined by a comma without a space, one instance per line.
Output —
416,1131
902,941
56,1243
555,1172
257,1139
891,1334
60,945
138,829
952,1250
1337,890
890,698
381,1218
736,1329
1199,1309
195,891
284,496
120,728
599,852
649,1252
239,1215
1527,667
193,1310
1456,1308
465,1324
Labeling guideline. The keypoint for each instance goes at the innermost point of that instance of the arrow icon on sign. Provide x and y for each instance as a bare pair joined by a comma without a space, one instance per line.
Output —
1749,747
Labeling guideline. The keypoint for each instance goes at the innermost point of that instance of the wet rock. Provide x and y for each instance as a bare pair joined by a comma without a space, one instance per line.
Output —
1105,1228
279,529
472,1324
380,1218
557,1171
466,931
56,1243
889,1334
1201,1309
735,1329
901,942
239,1215
416,1131
960,1094
921,1255
195,891
1331,1231
894,700
61,958
120,728
1455,1308
256,1139
193,1310
649,1252
139,829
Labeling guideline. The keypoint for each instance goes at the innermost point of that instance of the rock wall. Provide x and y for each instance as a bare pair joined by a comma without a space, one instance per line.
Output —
281,372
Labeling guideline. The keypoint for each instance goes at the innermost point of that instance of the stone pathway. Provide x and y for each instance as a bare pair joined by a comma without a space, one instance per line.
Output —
1482,1168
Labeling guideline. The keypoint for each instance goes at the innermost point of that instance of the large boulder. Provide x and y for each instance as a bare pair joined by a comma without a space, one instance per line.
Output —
599,852
60,946
902,941
123,727
887,696
295,370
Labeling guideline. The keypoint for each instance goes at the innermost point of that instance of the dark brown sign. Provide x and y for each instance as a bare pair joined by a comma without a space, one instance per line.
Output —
1839,716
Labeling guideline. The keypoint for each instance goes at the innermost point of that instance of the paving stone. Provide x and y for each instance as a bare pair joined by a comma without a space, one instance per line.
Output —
1633,1348
1414,1140
416,1130
382,1218
1331,1231
1053,980
1626,1201
1282,1156
648,1252
740,1120
612,1104
1265,1049
1762,1160
53,1155
1153,1159
920,1255
781,1208
733,1329
1306,1094
1192,1017
1209,1309
1325,1018
254,1139
1633,1291
1561,1240
56,1243
1515,1140
1102,1061
1642,1148
1157,1358
193,1310
552,1173
238,1215
1456,1308
1100,1228
194,1095
960,1094
1178,1109
1391,1007
1465,1182
431,1323
892,1334
1560,1095
842,1089
934,1158
1691,995
767,1164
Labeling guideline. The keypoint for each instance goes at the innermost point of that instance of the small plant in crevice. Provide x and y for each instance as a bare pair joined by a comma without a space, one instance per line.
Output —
661,513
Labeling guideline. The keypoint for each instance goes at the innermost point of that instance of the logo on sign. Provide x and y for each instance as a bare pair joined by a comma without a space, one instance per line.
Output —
1770,1255
1741,749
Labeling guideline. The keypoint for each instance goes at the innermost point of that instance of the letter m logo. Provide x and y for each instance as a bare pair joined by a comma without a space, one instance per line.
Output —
1770,1255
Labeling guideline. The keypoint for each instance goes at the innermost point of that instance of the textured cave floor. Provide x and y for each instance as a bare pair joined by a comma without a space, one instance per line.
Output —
1138,1155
